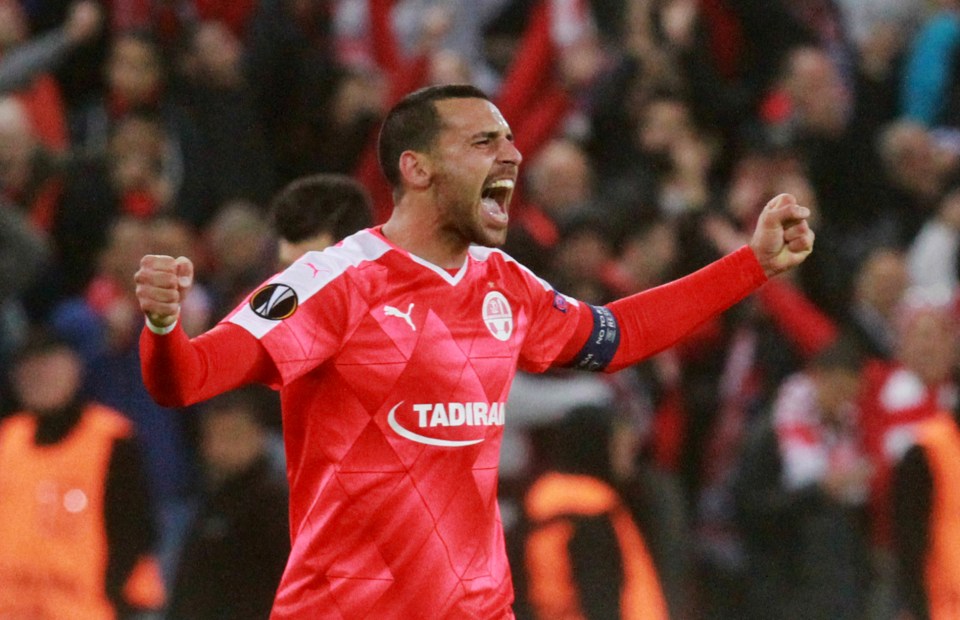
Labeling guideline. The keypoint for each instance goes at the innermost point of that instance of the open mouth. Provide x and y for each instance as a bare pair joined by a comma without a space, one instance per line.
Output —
495,198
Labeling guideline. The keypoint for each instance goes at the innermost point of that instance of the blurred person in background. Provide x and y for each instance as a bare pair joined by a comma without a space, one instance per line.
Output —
802,493
880,31
75,513
218,98
557,184
138,176
645,253
920,381
582,252
291,66
137,83
930,91
880,285
584,554
814,108
314,212
933,259
26,64
24,253
31,173
239,249
537,401
917,169
239,540
661,159
102,325
925,521
864,16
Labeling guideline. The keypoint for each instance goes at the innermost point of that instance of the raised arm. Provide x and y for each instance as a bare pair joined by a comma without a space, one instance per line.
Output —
656,319
176,370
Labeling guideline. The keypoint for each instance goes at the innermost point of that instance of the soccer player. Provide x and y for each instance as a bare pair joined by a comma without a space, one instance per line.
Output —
394,352
316,211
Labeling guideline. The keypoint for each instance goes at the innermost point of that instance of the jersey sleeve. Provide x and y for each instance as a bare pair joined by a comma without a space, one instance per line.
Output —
301,315
554,322
655,319
178,371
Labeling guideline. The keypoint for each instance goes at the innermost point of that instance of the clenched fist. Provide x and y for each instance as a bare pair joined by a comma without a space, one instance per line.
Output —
162,284
783,238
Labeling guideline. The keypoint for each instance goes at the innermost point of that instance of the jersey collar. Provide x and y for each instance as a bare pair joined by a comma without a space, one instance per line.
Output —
451,279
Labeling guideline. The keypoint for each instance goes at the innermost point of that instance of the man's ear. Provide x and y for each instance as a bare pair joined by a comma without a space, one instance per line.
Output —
415,169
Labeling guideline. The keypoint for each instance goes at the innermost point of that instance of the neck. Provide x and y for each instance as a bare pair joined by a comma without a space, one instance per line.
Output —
52,426
417,229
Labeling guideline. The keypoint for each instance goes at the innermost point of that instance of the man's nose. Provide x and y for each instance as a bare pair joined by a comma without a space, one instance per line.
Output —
509,153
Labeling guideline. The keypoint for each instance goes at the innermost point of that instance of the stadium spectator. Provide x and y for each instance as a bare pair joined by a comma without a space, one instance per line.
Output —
929,92
78,534
801,497
219,99
923,493
31,173
238,542
873,309
933,259
314,212
26,64
575,518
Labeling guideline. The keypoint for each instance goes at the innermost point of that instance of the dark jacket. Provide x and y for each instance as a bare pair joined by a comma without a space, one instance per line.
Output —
236,550
807,554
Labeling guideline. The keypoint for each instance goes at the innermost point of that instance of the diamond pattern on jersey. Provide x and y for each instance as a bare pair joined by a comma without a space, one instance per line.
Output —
390,527
428,513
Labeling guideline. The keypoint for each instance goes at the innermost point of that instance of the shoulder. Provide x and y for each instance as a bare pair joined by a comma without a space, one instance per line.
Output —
498,260
356,250
516,274
316,270
108,421
17,422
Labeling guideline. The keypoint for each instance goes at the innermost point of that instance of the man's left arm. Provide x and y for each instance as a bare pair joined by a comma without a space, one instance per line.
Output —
631,329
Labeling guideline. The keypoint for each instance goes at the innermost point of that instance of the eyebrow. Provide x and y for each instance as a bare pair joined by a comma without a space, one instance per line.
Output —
492,135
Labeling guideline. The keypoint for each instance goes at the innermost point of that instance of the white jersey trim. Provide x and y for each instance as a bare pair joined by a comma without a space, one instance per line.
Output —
440,271
311,273
481,254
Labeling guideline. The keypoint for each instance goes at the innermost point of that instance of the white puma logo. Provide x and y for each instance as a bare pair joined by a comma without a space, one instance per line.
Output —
391,311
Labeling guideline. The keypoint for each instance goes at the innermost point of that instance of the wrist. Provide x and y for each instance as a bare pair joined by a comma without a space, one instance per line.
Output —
159,326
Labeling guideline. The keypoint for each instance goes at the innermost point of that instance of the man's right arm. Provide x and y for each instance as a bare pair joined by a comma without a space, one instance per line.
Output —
179,371
176,370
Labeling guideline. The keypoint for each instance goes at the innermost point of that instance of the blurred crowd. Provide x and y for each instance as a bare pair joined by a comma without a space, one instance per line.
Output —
759,460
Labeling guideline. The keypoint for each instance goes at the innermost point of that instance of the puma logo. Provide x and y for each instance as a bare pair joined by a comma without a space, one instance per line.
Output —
391,311
316,270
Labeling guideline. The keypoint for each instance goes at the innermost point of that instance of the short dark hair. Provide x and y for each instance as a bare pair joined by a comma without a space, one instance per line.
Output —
413,124
41,340
321,203
258,402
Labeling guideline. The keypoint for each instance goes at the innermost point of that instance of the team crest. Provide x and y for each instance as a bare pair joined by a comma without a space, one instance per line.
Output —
498,316
274,302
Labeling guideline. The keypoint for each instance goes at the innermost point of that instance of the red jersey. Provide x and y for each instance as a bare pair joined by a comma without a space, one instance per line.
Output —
395,376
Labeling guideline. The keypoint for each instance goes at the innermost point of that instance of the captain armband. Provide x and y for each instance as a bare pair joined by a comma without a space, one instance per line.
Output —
600,347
